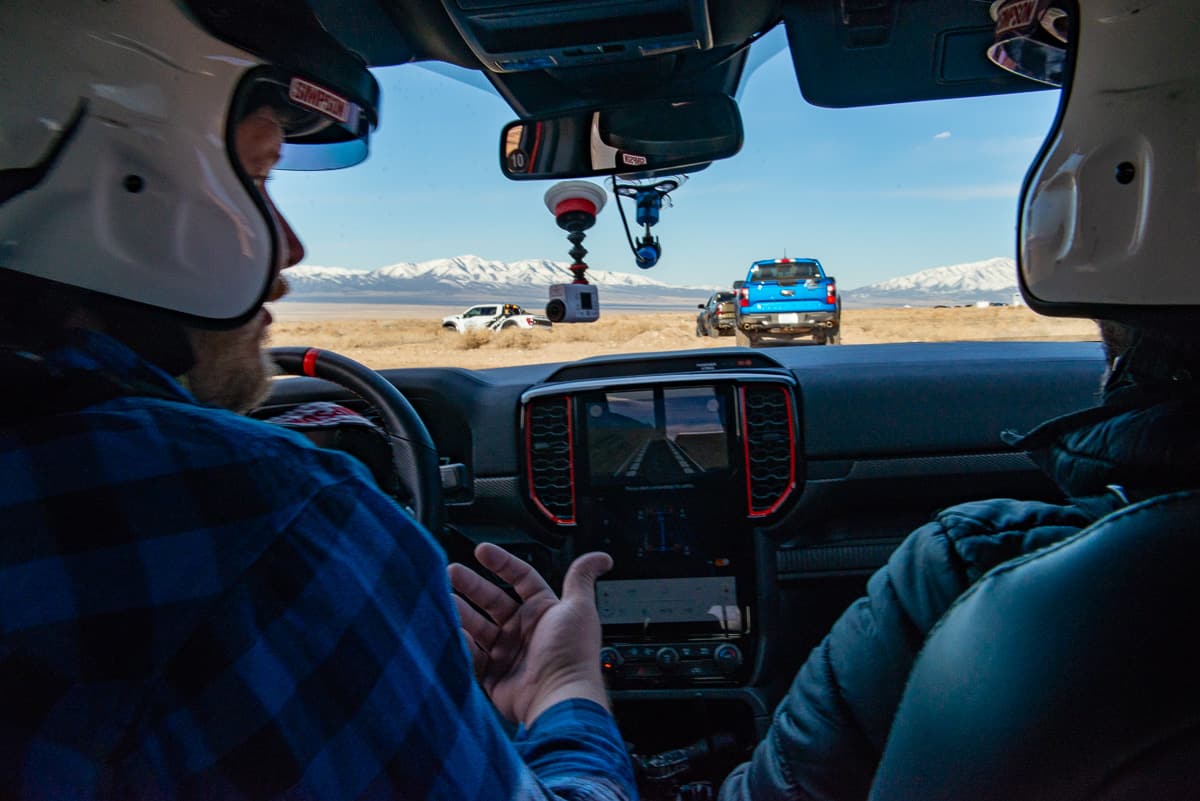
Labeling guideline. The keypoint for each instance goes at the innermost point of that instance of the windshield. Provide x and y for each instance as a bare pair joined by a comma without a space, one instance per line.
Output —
910,209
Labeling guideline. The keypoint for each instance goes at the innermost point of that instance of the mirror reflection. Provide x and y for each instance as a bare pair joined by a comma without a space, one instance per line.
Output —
634,138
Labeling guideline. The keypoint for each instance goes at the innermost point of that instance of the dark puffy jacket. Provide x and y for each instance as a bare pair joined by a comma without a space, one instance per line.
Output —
828,733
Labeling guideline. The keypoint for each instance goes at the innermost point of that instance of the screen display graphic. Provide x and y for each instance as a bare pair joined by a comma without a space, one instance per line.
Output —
665,435
650,602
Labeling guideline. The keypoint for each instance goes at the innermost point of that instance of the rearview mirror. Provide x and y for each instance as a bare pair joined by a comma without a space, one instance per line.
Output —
643,137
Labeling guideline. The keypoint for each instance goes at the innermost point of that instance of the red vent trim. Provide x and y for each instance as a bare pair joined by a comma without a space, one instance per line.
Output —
759,512
569,518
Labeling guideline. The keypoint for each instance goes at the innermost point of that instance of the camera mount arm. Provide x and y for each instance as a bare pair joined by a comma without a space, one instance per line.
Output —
648,201
575,205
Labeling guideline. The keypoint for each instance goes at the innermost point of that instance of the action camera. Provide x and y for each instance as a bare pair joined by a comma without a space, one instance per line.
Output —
573,303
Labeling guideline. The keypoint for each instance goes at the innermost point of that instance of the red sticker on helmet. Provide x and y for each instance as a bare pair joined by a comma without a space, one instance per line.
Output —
1016,15
317,98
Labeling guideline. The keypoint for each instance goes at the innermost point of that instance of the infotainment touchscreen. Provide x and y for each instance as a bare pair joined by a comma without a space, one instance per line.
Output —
656,436
711,600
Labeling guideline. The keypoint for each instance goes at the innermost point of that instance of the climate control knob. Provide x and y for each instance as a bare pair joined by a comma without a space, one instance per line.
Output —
610,659
728,658
667,658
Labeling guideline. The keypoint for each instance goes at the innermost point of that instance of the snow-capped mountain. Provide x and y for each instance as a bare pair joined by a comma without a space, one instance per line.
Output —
992,280
473,279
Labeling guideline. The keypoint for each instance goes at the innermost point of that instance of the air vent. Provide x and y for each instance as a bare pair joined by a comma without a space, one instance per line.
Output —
769,441
549,458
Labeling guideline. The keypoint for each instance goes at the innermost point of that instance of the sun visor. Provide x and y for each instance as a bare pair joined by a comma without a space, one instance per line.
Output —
850,53
1110,209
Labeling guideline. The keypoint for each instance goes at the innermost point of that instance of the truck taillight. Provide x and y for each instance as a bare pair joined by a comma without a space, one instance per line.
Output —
830,293
743,297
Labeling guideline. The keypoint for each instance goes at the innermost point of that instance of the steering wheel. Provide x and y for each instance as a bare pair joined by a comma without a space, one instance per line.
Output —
414,457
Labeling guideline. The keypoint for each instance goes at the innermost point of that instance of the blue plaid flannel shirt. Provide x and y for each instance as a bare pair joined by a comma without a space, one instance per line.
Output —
196,605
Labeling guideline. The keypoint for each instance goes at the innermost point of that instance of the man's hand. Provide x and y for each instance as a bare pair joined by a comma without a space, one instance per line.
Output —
531,654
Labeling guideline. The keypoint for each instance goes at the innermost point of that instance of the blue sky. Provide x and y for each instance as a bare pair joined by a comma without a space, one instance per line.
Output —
873,193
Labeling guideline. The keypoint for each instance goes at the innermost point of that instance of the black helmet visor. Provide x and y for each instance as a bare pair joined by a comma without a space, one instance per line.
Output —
322,128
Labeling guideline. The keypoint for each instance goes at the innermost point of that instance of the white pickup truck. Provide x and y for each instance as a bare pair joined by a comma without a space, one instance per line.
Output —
495,317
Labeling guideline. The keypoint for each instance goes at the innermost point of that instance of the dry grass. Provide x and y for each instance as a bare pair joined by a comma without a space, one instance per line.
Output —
472,340
382,337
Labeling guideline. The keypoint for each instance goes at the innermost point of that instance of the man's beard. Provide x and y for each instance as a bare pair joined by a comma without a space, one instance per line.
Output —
231,370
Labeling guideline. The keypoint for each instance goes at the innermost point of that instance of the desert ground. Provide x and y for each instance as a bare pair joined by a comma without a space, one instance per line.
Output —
410,336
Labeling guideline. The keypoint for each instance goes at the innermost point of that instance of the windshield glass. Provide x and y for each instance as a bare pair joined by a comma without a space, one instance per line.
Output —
910,208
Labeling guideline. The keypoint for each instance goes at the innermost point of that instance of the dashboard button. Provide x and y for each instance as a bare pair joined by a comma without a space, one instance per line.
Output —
667,658
728,658
610,659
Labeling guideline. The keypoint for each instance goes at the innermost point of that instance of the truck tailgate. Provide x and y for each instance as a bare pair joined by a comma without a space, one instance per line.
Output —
787,305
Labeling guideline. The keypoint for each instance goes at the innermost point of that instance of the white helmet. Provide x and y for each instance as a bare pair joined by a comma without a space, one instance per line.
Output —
1110,211
116,118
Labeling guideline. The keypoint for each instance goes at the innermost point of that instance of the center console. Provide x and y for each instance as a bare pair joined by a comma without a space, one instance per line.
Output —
670,475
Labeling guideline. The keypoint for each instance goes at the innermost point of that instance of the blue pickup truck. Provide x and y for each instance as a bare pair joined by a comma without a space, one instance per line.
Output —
783,300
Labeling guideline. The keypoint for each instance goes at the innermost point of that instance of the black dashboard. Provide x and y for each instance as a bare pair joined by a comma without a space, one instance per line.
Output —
745,496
